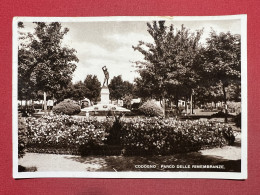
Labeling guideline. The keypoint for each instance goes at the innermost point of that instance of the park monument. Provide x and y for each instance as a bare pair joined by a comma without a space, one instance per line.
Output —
104,104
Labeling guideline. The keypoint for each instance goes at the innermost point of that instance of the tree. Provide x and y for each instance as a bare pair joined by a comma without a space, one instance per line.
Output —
44,63
64,93
168,70
26,85
116,88
127,98
92,88
222,62
79,91
119,88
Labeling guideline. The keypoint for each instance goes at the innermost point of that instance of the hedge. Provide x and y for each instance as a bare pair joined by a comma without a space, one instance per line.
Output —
136,135
161,136
62,131
22,137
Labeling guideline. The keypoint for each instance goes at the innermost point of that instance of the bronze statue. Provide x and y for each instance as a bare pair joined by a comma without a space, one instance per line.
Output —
104,68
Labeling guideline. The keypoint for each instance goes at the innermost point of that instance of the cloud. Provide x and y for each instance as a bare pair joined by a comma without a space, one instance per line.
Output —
130,38
110,44
118,61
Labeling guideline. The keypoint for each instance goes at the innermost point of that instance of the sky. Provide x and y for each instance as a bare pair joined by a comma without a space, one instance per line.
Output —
110,43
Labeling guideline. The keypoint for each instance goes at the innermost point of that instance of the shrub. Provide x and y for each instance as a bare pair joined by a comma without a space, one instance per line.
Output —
150,108
68,107
238,120
37,106
115,132
135,135
220,114
26,110
234,107
155,136
22,137
176,112
65,132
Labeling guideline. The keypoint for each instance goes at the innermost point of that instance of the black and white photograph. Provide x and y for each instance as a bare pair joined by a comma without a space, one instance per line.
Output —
130,97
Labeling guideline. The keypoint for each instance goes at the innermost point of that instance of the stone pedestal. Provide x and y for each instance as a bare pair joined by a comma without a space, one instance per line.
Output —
104,95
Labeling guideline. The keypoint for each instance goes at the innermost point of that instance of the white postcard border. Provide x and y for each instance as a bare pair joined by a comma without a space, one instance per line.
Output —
215,175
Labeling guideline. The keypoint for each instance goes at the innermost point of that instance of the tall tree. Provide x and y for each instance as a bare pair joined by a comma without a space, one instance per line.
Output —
168,69
119,88
116,88
222,61
50,65
79,91
26,85
92,87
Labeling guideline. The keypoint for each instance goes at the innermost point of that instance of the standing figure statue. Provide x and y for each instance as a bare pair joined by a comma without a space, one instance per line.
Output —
104,68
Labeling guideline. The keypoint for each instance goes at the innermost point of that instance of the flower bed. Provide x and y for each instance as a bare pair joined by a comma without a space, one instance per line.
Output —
22,137
161,136
61,132
64,134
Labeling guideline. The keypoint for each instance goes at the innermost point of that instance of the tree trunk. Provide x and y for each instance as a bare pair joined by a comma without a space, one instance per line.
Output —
44,102
186,106
177,103
194,104
225,102
191,109
163,106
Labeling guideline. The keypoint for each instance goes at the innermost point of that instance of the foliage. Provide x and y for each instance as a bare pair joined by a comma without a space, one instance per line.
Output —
115,132
150,108
92,88
26,110
68,107
234,107
238,120
136,135
62,131
157,136
119,88
128,100
169,67
176,112
43,63
219,114
220,61
22,137
78,91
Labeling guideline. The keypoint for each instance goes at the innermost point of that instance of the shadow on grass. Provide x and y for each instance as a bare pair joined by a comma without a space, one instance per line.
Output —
130,163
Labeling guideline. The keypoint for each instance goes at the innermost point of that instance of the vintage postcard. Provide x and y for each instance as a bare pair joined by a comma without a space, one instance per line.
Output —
130,97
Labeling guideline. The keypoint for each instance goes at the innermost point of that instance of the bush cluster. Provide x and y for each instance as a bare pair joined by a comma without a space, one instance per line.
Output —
156,136
150,108
62,131
237,120
234,107
135,135
68,107
22,137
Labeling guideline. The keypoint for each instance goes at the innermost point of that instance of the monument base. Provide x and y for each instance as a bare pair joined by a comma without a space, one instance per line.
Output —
104,95
105,104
